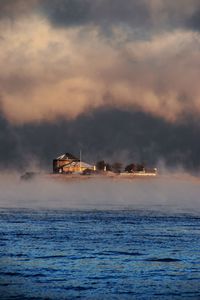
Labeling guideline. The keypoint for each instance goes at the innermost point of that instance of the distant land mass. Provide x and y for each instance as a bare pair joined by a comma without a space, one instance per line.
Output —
70,166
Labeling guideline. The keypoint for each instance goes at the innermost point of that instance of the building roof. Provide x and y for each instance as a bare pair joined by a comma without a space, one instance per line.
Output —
67,156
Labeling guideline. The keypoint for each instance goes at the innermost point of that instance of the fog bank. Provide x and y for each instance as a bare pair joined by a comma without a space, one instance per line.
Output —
175,193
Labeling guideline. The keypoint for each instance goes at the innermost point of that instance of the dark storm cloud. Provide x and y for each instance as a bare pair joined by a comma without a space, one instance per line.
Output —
150,15
153,15
68,13
112,135
79,12
11,153
194,21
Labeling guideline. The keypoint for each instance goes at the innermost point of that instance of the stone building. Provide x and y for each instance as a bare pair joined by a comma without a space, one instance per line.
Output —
68,163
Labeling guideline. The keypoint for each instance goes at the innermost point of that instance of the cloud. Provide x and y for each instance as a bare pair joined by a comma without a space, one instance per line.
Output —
11,154
61,59
11,9
194,21
51,73
148,14
65,61
109,134
68,13
143,17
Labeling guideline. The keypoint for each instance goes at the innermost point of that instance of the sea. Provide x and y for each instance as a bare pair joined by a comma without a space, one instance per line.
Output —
99,254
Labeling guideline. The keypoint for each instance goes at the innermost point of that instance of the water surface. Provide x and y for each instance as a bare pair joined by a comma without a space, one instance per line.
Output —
54,254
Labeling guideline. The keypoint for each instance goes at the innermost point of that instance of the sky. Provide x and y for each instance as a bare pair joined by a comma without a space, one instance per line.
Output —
118,79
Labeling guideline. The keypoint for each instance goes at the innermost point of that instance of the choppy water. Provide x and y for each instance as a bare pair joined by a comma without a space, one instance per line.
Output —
99,255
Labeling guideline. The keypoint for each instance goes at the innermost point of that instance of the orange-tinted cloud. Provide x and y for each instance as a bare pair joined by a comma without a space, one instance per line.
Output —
51,73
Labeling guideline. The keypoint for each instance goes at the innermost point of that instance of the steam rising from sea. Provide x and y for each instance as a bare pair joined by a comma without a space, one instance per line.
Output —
170,193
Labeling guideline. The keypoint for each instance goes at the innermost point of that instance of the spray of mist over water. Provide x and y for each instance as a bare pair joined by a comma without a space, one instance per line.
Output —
170,193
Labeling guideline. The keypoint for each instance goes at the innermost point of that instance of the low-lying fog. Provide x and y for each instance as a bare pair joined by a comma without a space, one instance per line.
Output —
178,193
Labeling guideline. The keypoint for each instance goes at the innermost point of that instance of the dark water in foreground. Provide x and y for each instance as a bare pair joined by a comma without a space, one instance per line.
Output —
99,255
